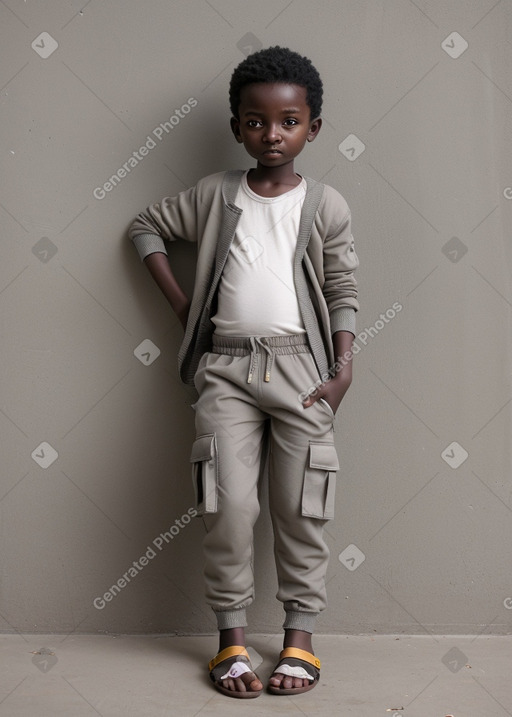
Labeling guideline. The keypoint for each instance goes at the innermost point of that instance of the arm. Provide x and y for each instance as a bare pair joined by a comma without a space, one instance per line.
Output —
159,268
340,293
168,220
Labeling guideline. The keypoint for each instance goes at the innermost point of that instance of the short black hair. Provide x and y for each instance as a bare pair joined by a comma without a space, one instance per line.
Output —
277,64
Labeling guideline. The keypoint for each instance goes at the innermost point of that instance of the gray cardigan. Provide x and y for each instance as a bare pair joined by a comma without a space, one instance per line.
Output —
325,260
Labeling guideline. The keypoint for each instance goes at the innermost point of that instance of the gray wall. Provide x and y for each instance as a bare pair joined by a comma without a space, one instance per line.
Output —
424,493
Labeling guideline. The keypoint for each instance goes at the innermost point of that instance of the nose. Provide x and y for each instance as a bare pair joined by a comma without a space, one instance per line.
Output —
272,134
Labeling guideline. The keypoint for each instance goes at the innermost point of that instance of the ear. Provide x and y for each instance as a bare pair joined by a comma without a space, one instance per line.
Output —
235,128
314,129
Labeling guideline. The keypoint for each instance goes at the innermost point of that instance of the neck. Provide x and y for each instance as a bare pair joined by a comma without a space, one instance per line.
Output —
284,174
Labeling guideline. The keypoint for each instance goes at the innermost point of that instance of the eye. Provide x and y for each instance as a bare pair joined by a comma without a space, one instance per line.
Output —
253,123
290,122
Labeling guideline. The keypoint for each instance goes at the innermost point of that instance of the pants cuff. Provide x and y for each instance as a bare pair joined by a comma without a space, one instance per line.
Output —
300,620
227,619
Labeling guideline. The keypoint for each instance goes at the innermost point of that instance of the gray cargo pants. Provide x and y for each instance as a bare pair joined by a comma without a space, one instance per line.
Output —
241,383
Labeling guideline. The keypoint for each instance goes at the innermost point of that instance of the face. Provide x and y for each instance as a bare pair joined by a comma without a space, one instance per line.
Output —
274,122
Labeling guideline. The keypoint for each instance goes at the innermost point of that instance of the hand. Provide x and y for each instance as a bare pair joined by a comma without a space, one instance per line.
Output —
332,391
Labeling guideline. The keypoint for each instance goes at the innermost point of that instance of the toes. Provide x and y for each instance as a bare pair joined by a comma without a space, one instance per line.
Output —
276,679
250,682
247,682
285,681
255,685
240,685
234,685
288,682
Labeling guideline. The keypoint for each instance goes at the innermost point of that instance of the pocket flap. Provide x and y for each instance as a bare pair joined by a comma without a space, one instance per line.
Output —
203,448
324,456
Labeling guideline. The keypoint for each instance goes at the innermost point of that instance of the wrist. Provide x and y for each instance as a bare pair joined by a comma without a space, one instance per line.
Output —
344,368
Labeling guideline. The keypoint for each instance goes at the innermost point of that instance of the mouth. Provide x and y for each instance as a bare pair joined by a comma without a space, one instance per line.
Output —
272,152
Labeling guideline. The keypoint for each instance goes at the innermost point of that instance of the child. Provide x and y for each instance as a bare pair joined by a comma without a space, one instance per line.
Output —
267,345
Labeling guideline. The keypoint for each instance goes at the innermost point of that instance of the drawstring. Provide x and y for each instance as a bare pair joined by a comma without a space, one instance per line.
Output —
255,342
253,359
268,362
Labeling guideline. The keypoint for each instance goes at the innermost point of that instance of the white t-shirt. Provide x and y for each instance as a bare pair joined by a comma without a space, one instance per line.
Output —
257,295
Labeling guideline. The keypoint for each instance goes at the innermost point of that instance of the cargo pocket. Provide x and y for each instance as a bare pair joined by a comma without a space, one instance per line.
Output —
320,481
205,473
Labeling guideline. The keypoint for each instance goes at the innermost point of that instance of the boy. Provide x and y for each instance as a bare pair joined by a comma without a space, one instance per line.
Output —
273,308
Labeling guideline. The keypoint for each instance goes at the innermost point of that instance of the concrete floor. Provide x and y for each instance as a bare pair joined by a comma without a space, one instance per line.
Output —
367,676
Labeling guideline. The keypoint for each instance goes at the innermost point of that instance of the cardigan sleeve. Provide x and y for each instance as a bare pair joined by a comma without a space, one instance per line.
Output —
340,263
170,219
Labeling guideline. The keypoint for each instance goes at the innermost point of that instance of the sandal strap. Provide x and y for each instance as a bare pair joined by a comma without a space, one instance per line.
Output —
300,655
226,653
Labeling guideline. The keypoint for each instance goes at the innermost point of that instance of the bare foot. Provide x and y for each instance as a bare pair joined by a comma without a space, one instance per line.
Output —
302,640
245,682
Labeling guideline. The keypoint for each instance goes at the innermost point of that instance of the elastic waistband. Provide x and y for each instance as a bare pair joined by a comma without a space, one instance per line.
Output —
254,345
244,345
